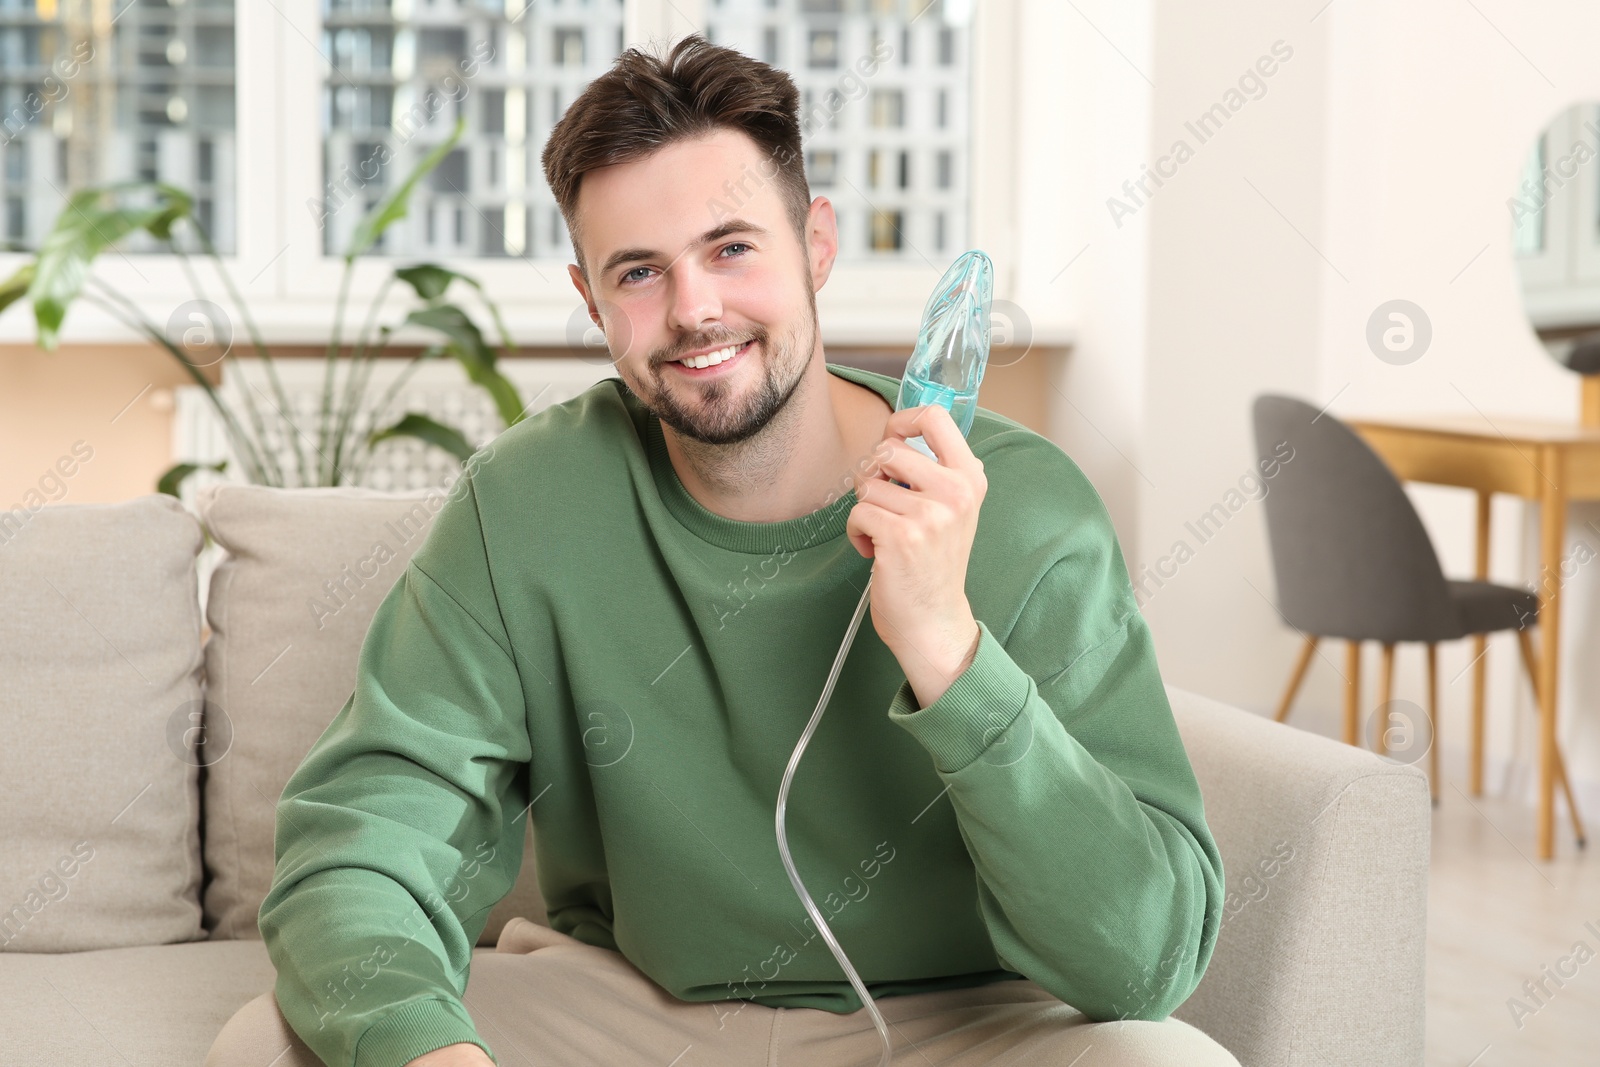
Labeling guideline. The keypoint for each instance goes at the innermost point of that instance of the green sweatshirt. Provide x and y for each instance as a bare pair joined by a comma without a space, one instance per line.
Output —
580,642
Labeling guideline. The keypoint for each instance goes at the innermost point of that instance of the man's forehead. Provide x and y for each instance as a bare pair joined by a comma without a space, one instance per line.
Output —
687,193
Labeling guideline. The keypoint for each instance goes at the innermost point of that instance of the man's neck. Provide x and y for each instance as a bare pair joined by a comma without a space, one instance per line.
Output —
799,463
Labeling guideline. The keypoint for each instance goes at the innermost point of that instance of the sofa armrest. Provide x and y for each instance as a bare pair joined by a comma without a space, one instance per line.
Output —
1321,955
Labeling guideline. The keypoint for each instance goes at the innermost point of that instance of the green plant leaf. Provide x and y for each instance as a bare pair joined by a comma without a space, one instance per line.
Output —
173,478
423,428
92,221
180,205
397,202
15,287
466,344
428,280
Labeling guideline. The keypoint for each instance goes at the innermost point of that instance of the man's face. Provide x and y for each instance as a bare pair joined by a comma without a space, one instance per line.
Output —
691,249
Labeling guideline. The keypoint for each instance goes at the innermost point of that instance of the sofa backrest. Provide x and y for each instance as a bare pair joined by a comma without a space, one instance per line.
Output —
289,606
100,698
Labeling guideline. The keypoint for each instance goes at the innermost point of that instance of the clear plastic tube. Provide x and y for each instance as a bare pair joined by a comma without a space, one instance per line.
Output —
945,368
783,841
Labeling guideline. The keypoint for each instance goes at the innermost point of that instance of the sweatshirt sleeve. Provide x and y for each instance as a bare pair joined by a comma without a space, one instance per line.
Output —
1097,875
402,827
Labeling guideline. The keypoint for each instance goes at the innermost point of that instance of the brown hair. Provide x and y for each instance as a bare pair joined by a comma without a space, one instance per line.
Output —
645,102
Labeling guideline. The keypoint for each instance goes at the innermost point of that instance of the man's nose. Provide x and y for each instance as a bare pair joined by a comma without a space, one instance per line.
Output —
694,297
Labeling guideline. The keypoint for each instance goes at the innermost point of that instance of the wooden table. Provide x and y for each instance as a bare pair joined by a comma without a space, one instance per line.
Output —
1550,462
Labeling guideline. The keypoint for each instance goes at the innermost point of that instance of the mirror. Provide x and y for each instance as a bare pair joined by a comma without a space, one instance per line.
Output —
1555,238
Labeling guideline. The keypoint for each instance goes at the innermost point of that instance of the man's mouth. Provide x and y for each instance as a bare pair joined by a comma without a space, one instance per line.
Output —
719,361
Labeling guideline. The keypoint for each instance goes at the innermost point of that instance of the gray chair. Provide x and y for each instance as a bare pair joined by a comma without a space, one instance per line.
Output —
1353,561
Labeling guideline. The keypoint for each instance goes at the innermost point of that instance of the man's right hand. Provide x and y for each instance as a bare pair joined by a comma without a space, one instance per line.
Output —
462,1054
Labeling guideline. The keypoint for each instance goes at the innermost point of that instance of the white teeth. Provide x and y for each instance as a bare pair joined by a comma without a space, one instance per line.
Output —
701,362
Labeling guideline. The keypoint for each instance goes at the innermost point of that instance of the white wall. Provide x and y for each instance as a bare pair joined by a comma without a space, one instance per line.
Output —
1082,124
1376,165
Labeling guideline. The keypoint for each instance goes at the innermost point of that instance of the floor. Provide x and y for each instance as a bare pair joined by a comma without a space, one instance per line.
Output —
1498,918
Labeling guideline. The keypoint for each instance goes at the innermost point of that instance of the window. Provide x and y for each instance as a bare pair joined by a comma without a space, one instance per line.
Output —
822,168
824,52
877,81
400,77
888,170
139,90
885,236
888,109
308,112
569,46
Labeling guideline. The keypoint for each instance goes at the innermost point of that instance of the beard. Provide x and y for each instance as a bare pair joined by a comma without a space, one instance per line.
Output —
726,411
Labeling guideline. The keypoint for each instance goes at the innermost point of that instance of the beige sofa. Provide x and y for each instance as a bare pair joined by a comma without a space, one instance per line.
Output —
149,730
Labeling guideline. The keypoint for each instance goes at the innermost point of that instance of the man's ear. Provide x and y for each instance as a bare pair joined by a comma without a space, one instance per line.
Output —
583,290
822,240
615,326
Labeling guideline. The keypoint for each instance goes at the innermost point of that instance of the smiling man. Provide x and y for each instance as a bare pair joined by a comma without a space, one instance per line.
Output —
619,628
713,325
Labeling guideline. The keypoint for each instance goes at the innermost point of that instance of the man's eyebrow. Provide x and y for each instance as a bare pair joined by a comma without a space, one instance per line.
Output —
716,233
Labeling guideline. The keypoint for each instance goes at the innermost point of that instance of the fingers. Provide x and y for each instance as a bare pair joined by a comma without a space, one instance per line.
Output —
899,463
904,481
938,429
892,496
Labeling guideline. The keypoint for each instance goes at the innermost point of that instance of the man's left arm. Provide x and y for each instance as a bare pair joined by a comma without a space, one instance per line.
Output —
1097,875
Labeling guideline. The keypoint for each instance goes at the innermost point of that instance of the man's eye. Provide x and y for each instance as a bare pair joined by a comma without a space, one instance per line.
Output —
629,279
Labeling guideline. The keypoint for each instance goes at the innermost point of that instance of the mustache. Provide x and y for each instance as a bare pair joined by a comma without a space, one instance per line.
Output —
758,336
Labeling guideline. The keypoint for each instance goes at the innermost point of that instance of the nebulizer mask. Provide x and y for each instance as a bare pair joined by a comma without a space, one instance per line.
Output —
945,368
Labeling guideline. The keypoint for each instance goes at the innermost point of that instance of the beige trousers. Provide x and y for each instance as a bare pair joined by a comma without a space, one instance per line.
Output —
544,999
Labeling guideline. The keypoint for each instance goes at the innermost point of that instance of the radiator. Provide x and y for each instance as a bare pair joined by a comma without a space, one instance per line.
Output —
437,388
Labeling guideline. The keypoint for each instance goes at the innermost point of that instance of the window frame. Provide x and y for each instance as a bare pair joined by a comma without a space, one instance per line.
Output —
290,284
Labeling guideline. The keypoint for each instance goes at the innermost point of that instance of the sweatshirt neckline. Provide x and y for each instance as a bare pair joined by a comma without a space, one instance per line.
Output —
806,531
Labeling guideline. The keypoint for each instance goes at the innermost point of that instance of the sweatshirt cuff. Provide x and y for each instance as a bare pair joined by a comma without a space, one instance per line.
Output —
974,714
415,1029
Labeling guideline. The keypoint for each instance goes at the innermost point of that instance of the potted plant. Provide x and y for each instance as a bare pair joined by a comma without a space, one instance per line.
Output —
331,452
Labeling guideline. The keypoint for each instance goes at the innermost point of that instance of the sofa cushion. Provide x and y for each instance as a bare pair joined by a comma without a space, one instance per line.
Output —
100,696
148,1005
289,606
152,1004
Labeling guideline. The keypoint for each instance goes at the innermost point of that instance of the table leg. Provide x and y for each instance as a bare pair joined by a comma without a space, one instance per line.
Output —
1479,660
1552,539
